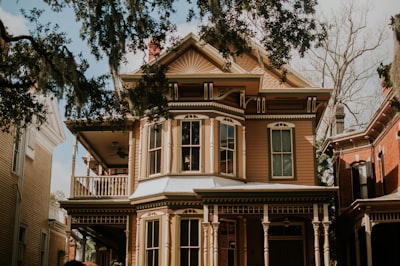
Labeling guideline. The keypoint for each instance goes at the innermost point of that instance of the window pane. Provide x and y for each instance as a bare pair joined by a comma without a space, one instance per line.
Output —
158,135
194,257
152,163
224,136
276,141
195,158
184,256
186,158
229,168
277,165
158,161
156,232
231,137
287,165
155,257
185,133
184,232
152,138
195,132
149,234
286,141
150,258
194,232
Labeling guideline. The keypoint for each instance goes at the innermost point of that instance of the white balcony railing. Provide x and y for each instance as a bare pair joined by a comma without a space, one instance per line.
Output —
100,186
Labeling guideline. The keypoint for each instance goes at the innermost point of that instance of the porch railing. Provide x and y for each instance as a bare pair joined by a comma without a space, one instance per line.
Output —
114,186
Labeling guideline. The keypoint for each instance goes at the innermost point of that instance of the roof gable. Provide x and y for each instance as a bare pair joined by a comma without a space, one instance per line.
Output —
193,62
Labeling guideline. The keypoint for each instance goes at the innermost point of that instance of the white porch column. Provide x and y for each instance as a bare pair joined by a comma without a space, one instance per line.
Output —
205,235
326,222
212,149
72,184
131,162
127,241
215,225
316,224
245,241
137,240
265,223
215,249
368,230
167,241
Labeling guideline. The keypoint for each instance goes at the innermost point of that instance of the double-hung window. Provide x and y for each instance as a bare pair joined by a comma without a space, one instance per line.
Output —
155,132
189,242
362,180
152,242
16,159
190,145
281,148
227,148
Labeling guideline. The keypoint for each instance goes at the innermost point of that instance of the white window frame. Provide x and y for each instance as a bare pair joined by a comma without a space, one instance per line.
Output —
228,122
152,248
156,149
189,247
281,126
191,146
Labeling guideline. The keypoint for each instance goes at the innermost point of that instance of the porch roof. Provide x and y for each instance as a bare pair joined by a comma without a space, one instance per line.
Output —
205,186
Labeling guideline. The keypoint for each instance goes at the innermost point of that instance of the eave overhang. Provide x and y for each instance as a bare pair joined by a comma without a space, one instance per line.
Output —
89,206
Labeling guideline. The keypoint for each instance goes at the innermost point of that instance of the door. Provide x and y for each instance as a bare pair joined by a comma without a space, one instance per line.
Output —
227,243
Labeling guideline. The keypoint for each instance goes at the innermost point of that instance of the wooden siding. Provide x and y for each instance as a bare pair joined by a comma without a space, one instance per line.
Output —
257,153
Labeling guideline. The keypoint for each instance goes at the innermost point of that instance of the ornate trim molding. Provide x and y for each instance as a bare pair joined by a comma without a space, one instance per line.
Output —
280,117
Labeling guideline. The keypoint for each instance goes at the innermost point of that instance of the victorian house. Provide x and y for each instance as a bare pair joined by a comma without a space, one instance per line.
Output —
366,164
228,179
25,171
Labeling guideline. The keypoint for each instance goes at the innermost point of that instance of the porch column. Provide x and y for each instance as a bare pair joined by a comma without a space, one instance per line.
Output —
215,225
205,235
127,241
265,224
72,184
368,230
326,223
315,224
167,242
212,149
244,151
137,240
245,241
131,162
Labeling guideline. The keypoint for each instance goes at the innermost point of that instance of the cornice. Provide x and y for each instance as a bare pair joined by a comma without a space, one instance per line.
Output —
280,117
206,105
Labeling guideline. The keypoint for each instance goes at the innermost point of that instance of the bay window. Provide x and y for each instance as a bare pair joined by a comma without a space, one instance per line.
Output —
190,145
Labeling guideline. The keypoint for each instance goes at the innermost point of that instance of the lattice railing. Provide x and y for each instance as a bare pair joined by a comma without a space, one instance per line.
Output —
100,186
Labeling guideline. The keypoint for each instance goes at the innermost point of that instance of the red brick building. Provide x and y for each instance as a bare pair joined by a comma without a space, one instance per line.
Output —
366,165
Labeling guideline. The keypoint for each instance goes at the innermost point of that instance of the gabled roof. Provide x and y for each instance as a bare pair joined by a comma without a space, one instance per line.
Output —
193,57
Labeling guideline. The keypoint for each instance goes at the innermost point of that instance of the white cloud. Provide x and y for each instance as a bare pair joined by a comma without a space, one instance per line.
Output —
16,25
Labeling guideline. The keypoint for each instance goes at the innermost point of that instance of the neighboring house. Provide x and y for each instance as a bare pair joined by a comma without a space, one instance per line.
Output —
25,171
366,164
58,235
228,179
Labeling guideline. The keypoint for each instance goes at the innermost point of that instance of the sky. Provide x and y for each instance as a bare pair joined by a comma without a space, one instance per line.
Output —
380,13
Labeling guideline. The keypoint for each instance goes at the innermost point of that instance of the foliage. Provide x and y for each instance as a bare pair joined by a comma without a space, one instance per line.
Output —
112,28
324,167
346,61
57,196
383,72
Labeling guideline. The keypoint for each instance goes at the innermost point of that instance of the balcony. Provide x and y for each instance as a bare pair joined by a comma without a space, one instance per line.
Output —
97,187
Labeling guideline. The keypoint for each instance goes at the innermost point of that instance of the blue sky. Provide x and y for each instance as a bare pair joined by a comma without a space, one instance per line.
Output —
9,12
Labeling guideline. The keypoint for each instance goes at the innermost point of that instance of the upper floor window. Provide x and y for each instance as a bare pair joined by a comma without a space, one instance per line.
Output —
281,143
155,132
362,180
189,242
152,242
190,145
227,147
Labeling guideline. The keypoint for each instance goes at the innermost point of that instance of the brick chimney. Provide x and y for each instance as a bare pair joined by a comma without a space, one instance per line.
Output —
339,119
154,49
